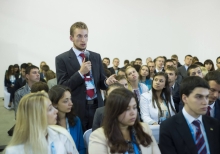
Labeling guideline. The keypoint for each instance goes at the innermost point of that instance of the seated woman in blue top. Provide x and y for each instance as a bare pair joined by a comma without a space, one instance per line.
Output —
144,76
60,97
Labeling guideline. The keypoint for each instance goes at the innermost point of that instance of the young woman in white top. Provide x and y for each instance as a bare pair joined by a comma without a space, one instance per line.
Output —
133,80
157,105
32,133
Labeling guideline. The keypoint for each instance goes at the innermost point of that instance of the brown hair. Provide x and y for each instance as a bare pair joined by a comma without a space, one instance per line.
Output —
116,104
80,25
39,86
50,75
172,68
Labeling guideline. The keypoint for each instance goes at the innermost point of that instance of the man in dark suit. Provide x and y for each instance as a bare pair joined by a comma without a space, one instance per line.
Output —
183,69
115,68
82,71
171,71
213,78
191,131
159,62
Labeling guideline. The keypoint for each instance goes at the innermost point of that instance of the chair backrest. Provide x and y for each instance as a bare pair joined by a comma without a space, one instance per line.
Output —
86,137
155,131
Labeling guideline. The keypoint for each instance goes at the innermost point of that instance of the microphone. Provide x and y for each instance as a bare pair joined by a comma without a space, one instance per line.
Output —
86,53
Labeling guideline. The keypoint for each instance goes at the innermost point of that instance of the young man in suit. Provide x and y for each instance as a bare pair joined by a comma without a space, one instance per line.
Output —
106,61
191,131
115,68
82,71
194,70
213,78
159,62
174,85
151,66
183,69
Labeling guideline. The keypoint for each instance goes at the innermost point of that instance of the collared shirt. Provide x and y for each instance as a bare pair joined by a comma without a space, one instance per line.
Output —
212,110
192,127
79,58
186,67
157,70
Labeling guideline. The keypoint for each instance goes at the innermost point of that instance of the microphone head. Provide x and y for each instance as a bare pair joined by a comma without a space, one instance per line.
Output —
86,53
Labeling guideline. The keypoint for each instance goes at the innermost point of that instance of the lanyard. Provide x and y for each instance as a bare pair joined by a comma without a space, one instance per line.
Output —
139,87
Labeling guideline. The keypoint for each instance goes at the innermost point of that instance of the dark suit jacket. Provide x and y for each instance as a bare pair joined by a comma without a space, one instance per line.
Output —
182,71
176,95
111,69
67,67
176,138
98,117
163,70
217,109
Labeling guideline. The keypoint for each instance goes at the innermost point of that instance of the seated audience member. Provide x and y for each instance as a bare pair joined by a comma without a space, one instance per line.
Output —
106,70
138,61
41,71
10,80
209,65
148,59
144,76
126,62
122,132
132,63
168,63
204,71
115,68
29,64
35,131
190,132
183,69
20,82
16,70
134,85
157,104
177,60
151,66
60,97
171,71
99,113
213,79
51,78
45,68
194,70
39,86
106,61
32,75
218,63
195,59
159,63
121,72
122,80
175,64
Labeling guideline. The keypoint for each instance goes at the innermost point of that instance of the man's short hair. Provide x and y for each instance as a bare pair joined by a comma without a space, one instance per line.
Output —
80,25
213,75
120,77
174,59
217,59
24,65
158,57
189,83
193,66
45,68
172,68
150,62
126,61
39,86
188,56
115,59
168,60
138,59
29,68
106,59
122,70
199,64
174,56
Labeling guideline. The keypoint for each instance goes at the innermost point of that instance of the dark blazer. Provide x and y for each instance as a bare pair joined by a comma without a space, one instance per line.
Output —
217,109
98,117
111,69
176,95
182,71
163,70
19,83
67,67
176,138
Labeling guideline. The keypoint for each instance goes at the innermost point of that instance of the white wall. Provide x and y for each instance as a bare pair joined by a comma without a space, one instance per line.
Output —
35,31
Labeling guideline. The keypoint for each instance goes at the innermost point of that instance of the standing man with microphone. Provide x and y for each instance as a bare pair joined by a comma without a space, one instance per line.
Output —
82,71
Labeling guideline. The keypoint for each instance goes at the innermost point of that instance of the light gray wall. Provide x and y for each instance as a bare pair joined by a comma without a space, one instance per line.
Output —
35,31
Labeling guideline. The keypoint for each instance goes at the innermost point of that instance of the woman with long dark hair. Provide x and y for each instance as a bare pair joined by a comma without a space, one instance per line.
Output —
122,132
60,97
144,76
209,65
157,104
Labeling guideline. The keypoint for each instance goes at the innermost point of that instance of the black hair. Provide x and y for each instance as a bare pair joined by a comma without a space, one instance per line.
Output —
29,68
188,84
213,75
193,66
24,65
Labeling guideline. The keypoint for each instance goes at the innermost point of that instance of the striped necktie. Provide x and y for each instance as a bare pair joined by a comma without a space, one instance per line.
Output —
200,141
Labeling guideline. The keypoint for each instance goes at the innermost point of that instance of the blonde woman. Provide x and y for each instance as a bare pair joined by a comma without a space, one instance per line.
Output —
32,133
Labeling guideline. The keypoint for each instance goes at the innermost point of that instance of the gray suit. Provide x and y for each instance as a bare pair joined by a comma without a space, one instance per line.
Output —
182,71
